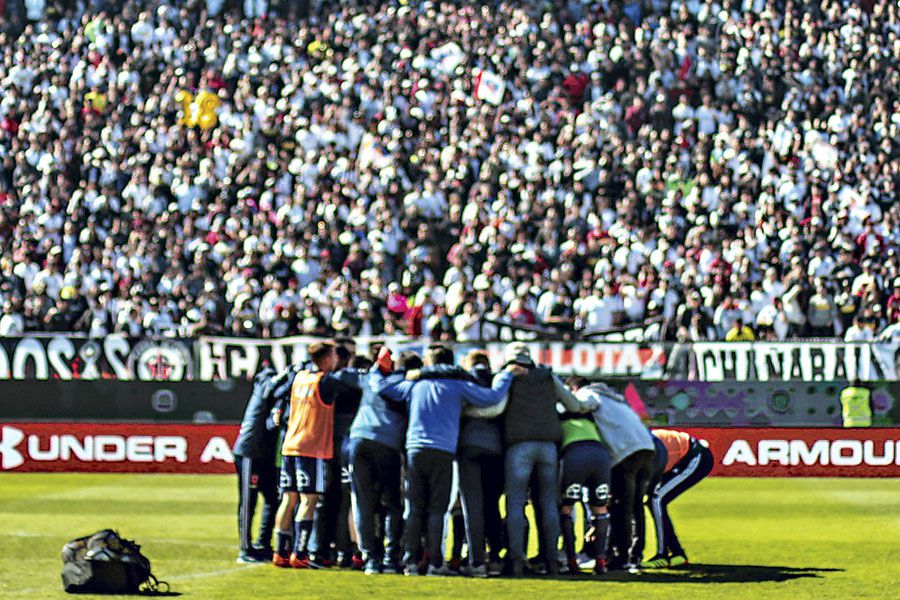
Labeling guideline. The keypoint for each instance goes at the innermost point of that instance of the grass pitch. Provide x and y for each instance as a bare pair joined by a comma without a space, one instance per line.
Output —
747,538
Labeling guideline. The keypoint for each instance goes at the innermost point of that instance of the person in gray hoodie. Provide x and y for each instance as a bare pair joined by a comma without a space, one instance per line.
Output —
632,453
532,433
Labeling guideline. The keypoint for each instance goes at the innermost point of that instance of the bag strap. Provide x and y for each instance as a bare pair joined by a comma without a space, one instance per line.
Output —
154,587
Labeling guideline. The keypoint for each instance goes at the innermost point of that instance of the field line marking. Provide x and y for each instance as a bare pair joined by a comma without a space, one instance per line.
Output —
29,534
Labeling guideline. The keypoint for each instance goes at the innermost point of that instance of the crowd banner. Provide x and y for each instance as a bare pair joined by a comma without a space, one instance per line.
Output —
116,448
790,452
70,357
64,357
221,358
793,361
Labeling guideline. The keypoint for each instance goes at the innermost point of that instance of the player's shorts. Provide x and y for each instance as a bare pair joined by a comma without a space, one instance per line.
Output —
585,474
304,474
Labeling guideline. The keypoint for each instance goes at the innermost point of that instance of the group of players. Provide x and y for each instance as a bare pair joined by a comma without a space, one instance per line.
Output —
378,457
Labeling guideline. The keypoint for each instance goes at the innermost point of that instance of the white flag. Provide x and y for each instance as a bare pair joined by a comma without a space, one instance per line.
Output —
490,88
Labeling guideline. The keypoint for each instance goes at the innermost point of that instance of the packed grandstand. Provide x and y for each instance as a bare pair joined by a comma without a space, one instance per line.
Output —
727,170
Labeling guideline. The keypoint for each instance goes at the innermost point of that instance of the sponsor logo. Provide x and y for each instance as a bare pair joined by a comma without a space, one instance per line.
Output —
840,452
109,448
10,457
160,361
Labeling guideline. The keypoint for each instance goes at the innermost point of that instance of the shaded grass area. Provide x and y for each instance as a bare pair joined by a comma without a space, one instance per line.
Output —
747,538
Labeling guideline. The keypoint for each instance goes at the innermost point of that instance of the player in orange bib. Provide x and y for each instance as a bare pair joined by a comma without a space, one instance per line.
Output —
689,461
307,448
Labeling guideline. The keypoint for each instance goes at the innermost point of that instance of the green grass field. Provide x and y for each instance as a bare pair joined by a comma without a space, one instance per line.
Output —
747,538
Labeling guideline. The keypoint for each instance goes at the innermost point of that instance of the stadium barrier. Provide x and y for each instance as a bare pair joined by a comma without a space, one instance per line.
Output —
70,358
75,378
136,448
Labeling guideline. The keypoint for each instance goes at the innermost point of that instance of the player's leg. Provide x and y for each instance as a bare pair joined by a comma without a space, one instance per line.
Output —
570,492
440,484
492,489
245,507
598,482
284,518
390,475
366,492
417,496
268,488
642,475
311,482
473,505
621,512
547,469
325,522
518,468
692,469
345,534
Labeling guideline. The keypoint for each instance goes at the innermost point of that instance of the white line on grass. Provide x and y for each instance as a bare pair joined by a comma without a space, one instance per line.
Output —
31,534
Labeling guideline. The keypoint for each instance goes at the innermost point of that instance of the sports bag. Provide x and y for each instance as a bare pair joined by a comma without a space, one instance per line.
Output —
105,563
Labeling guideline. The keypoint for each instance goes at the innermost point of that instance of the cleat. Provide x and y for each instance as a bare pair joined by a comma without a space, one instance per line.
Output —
411,570
357,563
389,567
300,563
632,568
372,567
678,561
495,567
264,551
481,571
656,562
600,567
249,558
571,567
316,563
281,561
441,571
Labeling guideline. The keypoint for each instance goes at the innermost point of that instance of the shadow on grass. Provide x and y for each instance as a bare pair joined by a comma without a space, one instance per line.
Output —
705,573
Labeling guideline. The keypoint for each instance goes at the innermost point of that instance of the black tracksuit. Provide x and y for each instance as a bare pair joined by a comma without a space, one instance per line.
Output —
254,461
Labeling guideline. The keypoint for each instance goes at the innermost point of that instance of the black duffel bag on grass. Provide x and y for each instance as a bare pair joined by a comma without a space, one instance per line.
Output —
104,563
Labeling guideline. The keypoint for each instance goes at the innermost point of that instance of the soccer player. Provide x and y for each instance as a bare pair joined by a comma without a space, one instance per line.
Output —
376,458
481,470
481,473
435,406
689,462
632,453
308,446
585,467
254,460
532,431
332,511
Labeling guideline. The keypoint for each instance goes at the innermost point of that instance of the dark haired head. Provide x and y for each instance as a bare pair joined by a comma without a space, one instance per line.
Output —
439,354
410,360
319,350
360,362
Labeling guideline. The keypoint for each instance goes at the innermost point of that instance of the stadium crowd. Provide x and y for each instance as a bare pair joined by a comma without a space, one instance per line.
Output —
435,168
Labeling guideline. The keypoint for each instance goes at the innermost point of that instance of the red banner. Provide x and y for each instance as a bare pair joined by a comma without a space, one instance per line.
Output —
116,448
156,448
790,452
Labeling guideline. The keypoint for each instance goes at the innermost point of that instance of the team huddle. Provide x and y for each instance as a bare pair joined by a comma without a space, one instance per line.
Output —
378,455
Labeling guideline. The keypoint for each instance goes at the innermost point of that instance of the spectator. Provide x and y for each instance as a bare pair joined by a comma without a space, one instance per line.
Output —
739,332
858,332
635,155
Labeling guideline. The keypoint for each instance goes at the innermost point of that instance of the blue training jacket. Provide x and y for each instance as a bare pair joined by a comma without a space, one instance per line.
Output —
435,406
376,419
